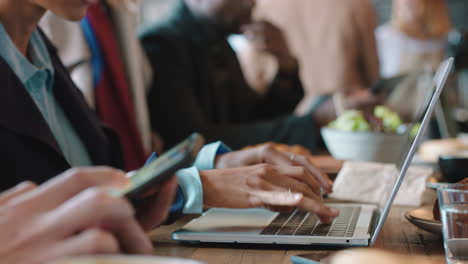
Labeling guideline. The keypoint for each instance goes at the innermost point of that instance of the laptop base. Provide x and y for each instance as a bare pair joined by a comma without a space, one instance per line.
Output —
247,225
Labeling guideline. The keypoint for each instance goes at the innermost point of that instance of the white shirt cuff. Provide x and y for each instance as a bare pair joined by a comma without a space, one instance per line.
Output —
190,183
189,179
207,155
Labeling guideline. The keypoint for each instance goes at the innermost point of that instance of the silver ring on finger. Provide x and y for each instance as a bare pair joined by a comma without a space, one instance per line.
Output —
292,157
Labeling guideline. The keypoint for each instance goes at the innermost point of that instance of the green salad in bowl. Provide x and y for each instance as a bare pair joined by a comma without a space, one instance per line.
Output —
379,136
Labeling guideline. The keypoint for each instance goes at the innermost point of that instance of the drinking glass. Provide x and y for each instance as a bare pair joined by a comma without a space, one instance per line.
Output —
453,203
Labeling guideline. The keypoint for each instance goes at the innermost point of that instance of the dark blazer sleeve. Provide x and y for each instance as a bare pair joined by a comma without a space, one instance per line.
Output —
284,94
175,111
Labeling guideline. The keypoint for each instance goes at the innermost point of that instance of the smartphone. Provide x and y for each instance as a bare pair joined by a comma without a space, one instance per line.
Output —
181,156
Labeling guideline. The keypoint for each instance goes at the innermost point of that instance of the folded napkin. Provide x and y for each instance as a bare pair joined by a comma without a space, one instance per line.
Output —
369,182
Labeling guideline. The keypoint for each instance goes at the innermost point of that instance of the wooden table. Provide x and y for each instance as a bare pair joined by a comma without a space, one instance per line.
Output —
398,236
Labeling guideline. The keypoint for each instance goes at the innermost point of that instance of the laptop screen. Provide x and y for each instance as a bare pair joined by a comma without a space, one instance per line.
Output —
428,105
422,109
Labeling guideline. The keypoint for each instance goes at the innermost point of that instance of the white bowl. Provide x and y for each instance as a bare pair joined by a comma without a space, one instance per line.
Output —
365,146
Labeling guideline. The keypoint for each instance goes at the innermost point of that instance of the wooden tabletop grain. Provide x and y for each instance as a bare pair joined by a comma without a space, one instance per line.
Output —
398,236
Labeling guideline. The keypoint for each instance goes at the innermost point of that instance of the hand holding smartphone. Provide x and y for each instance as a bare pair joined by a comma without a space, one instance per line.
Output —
161,169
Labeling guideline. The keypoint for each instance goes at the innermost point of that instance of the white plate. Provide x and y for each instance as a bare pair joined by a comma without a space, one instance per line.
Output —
424,219
420,162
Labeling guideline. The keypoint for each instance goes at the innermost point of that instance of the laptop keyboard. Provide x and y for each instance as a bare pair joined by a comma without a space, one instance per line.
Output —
299,223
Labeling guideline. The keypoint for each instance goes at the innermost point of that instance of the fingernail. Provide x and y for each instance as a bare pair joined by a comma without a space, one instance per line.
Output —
120,184
124,180
334,211
27,184
297,196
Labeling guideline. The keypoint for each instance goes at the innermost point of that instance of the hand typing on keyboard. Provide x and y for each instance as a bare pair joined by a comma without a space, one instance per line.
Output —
278,188
271,153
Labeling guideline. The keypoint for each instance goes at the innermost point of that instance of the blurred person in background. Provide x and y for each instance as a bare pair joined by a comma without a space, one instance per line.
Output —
411,46
199,85
198,79
333,41
415,37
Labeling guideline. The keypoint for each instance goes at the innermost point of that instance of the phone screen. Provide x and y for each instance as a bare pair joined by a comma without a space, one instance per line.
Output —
164,167
155,168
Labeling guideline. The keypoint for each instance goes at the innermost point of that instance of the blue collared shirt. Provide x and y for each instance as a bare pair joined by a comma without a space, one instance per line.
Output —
37,76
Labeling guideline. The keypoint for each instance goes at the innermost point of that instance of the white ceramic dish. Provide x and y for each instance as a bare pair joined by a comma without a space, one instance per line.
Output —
364,146
424,219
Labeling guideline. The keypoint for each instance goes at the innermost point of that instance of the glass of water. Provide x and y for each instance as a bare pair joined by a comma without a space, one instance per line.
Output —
453,203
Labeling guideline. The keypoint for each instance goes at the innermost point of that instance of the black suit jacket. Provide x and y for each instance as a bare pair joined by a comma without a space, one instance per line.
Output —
199,86
28,149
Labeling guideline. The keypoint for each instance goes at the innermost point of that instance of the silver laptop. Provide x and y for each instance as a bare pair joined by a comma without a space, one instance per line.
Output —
357,224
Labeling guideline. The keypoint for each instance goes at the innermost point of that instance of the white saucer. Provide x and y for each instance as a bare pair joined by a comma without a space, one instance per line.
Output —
424,219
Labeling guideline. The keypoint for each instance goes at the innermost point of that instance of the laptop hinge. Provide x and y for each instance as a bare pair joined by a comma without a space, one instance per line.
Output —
374,222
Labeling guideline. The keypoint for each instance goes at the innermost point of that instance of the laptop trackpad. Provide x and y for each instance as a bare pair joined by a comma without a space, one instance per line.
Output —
237,221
